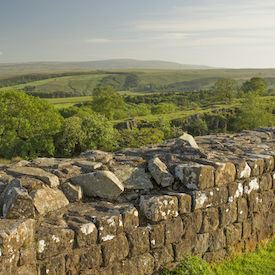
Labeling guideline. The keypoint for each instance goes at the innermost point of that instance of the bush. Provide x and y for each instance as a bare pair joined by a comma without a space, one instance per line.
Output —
85,130
140,137
27,125
253,114
197,127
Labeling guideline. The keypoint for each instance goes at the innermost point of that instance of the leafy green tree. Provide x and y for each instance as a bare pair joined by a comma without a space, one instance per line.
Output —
253,113
27,125
109,103
85,130
256,85
70,140
225,89
197,127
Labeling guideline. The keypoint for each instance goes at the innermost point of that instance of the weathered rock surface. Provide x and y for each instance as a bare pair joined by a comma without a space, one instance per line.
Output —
103,184
159,208
160,172
72,192
38,173
132,177
221,201
47,199
18,204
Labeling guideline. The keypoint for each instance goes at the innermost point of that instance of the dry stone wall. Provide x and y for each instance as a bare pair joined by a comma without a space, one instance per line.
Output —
138,210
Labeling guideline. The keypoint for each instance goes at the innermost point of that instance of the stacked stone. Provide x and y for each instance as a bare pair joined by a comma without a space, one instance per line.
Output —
136,212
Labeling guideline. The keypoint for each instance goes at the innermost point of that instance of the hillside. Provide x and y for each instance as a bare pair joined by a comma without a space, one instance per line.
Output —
7,70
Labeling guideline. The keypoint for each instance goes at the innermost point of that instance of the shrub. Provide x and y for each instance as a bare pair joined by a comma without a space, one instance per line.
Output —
85,130
140,137
27,125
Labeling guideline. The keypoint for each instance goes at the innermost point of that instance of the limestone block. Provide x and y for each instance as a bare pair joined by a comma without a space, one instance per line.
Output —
72,192
265,182
225,173
18,204
85,232
46,177
201,244
233,233
160,172
47,199
157,235
103,184
139,241
91,258
195,176
228,213
88,166
242,209
132,177
158,208
15,234
217,240
130,217
163,256
173,230
256,165
115,250
52,240
210,220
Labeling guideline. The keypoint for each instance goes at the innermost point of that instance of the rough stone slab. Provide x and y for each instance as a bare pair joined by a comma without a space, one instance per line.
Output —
185,202
158,208
46,177
157,235
225,173
14,234
85,232
195,176
133,178
72,192
47,199
97,156
115,250
139,241
51,240
88,166
103,184
18,204
173,230
160,172
190,140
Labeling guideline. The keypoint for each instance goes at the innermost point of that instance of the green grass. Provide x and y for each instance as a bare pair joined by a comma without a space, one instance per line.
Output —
170,79
260,262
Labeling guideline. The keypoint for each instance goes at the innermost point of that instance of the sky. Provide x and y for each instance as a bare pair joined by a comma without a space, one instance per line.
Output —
221,33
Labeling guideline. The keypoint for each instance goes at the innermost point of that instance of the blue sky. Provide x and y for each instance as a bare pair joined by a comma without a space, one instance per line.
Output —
236,33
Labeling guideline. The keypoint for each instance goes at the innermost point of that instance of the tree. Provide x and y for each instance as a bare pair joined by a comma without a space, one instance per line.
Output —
27,125
256,85
109,103
225,89
84,130
253,114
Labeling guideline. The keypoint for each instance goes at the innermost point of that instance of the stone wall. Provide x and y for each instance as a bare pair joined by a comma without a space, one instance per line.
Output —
138,210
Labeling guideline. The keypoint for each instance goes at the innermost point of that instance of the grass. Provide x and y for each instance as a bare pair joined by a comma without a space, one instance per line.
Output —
260,262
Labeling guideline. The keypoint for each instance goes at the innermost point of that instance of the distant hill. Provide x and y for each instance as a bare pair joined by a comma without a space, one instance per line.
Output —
7,69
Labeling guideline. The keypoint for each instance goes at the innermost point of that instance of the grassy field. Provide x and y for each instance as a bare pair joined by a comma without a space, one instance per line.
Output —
145,80
260,262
